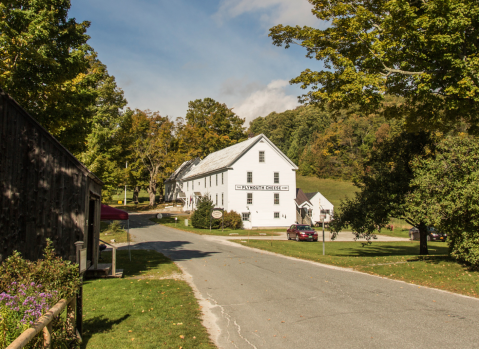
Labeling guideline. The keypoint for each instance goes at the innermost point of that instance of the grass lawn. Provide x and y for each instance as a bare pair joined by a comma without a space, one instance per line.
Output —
106,234
395,260
142,310
170,222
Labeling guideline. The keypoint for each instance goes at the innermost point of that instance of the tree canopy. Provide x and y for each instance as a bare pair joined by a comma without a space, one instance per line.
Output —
44,65
424,51
210,126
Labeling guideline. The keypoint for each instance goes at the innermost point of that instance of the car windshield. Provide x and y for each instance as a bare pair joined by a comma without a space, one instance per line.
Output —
304,227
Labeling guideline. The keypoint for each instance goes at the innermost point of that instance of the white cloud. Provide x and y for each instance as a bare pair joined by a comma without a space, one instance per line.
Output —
273,12
262,102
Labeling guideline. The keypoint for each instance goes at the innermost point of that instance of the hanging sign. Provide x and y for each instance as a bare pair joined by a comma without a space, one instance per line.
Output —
262,187
217,214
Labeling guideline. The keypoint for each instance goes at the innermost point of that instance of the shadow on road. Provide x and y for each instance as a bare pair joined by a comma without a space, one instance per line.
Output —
174,249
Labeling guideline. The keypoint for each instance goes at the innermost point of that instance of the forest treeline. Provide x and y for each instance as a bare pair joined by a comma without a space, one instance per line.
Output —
321,144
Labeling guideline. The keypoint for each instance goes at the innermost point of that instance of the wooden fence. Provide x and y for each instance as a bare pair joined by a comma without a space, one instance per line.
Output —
44,324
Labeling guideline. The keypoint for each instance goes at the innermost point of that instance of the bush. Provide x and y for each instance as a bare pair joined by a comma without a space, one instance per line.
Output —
28,289
232,220
201,216
465,248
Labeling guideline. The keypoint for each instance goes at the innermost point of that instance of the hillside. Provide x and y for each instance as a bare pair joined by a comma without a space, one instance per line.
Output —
334,190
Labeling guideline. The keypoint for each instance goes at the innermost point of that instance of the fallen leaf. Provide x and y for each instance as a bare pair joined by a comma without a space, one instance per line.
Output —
130,331
181,336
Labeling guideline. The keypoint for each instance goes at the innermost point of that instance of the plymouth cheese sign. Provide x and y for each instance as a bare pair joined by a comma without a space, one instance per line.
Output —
262,187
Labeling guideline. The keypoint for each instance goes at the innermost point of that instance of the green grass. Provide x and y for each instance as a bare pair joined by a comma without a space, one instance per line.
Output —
142,313
334,190
395,260
170,222
107,235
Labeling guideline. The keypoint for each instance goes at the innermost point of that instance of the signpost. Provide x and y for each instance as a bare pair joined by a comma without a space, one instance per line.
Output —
217,213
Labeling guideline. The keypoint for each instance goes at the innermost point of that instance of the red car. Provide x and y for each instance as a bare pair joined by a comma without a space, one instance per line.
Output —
301,232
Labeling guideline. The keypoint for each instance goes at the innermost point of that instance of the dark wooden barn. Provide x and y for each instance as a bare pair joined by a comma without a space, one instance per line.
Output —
45,191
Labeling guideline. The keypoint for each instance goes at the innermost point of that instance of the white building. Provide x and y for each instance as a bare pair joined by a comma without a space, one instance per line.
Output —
174,183
321,208
253,178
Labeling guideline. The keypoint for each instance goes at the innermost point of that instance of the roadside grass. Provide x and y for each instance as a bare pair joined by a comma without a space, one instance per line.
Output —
106,234
394,260
142,313
170,222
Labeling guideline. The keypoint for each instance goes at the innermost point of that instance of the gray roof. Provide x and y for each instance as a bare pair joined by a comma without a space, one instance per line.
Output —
226,157
301,198
184,165
310,195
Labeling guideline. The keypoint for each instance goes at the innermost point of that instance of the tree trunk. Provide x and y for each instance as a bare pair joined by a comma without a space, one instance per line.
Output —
152,192
136,193
423,239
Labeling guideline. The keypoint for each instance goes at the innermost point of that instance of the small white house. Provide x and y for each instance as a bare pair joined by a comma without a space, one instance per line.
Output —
321,209
174,183
253,178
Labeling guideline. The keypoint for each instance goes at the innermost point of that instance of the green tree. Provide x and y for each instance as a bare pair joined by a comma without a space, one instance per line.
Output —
109,136
423,51
201,217
153,141
44,62
447,194
386,185
210,126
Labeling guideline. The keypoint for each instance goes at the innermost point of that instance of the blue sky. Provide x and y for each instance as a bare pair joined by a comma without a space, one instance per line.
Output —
166,53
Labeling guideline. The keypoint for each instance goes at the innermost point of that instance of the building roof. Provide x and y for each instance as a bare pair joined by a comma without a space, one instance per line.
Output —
301,198
312,195
226,157
183,166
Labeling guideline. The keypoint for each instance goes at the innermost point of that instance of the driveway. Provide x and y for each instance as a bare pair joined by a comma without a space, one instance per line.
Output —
256,299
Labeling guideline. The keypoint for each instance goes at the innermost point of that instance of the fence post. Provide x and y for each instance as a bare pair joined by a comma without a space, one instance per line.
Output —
79,300
47,336
113,261
71,318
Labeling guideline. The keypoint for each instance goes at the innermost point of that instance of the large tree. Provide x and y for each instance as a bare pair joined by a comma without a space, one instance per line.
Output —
210,126
386,183
44,61
426,51
153,146
447,194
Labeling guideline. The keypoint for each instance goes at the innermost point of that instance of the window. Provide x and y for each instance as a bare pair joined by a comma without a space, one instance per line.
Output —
276,215
249,177
249,199
222,178
193,185
325,211
222,199
276,199
216,200
245,216
310,212
276,177
187,185
216,179
210,181
205,182
261,156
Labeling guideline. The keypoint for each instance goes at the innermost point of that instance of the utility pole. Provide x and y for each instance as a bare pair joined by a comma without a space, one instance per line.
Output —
126,166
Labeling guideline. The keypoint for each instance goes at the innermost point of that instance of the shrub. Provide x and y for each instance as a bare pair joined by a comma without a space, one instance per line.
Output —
232,220
28,289
465,248
201,216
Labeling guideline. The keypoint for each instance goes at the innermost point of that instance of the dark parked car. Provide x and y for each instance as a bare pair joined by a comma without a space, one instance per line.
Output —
301,232
432,235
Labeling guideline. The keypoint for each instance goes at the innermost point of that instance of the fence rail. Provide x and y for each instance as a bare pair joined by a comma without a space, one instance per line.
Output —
44,324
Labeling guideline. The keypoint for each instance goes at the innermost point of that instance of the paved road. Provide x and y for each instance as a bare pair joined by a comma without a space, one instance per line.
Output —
262,300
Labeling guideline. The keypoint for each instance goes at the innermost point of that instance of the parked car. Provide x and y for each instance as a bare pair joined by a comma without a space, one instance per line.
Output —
301,232
432,235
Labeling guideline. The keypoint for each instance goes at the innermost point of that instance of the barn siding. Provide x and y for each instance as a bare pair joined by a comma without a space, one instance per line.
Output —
44,189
